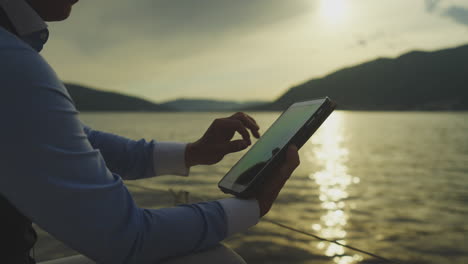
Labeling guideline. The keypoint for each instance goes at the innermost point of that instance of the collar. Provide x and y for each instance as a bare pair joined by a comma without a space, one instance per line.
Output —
30,27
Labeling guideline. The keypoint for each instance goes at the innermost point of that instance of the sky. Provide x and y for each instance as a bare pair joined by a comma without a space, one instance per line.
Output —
239,49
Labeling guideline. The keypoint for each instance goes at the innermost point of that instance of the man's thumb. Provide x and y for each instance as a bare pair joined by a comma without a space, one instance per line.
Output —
292,159
235,146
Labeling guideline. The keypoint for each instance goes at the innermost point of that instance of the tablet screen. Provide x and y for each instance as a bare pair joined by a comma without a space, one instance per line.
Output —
273,140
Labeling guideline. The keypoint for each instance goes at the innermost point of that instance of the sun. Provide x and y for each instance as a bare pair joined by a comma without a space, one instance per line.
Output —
333,11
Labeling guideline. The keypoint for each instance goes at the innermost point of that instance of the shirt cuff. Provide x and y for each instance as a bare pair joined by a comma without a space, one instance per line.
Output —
169,158
240,214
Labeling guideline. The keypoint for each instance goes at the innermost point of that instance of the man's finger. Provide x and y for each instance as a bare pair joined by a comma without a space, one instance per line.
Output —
292,158
251,118
291,162
234,146
254,132
277,184
236,125
248,122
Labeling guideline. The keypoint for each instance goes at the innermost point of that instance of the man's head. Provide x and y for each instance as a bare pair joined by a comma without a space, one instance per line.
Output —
52,10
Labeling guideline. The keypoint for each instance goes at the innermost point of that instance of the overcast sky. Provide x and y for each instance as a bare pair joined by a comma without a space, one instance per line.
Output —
239,49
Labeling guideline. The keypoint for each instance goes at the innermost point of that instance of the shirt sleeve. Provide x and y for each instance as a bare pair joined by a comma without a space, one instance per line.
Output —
131,159
55,177
169,158
240,214
138,159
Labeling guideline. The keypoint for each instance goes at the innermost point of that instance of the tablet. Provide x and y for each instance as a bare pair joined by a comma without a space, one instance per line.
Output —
294,126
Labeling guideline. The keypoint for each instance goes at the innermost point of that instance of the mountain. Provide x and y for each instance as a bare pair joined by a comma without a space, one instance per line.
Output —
414,81
198,105
87,99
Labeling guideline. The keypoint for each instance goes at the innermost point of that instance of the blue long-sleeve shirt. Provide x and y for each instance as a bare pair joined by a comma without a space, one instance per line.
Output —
65,177
128,158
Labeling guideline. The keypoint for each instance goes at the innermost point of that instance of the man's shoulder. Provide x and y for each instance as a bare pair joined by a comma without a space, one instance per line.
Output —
15,51
9,42
26,79
19,60
22,67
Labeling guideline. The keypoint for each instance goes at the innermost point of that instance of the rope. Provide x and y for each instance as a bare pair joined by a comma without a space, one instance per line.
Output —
331,241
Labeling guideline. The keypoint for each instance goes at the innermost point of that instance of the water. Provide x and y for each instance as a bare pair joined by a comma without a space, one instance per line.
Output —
395,184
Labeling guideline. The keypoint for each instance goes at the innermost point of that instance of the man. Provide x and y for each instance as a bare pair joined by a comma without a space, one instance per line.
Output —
66,177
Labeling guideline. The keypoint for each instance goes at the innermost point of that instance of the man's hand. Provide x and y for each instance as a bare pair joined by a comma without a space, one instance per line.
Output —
268,193
216,142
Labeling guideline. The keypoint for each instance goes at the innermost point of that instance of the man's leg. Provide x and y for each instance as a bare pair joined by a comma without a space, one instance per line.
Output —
78,259
218,254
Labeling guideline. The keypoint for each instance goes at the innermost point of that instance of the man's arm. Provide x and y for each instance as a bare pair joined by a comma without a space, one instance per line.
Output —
131,158
134,159
55,177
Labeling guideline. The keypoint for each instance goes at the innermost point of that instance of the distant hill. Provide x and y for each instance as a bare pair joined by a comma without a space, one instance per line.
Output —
198,105
87,99
414,81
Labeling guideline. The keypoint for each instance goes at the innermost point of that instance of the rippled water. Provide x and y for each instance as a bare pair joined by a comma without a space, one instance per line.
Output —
395,184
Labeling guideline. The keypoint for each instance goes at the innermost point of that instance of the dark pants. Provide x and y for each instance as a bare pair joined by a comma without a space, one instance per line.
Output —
218,254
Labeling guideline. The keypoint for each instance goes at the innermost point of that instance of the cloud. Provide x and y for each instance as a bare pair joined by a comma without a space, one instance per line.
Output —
431,5
163,49
98,25
458,14
128,44
450,9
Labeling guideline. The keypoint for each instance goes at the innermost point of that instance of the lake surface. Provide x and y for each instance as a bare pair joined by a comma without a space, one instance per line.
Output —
393,183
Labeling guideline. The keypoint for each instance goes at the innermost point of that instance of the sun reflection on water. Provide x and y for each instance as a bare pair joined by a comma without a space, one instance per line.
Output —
333,181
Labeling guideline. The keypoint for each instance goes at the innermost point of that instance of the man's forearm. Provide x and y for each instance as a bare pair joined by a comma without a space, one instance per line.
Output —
129,158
